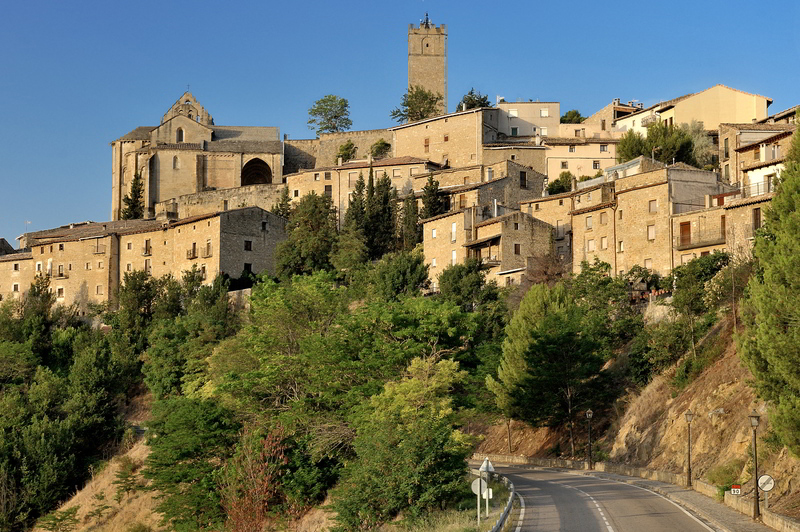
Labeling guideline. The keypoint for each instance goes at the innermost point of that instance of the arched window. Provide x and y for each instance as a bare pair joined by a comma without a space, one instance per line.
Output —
190,115
179,135
176,163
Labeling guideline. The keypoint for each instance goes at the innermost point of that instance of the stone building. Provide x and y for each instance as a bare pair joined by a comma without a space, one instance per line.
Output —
735,136
427,58
87,261
503,239
528,119
581,156
605,118
187,154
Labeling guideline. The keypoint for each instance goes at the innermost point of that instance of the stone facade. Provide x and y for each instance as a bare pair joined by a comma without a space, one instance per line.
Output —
580,156
732,137
427,58
698,233
528,154
528,119
213,201
454,140
187,153
16,274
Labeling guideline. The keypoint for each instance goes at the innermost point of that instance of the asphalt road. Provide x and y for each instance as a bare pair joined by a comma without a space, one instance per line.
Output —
558,501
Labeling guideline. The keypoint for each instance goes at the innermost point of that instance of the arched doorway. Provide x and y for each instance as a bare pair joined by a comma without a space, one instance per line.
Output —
256,172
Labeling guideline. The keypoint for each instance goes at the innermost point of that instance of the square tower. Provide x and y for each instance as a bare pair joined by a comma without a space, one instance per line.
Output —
427,58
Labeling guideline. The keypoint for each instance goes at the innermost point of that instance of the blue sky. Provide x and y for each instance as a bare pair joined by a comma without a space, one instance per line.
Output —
74,76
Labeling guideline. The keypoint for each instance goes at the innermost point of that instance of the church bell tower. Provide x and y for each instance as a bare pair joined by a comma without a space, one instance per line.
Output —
427,58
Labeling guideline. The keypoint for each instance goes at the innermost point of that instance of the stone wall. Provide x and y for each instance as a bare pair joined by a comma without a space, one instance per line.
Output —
317,153
211,201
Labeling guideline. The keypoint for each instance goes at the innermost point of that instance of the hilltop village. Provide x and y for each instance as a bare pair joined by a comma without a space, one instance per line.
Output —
209,189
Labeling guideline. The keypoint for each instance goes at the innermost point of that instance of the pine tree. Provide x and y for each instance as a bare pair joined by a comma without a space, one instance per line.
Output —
411,232
283,207
134,202
357,211
432,202
771,343
380,224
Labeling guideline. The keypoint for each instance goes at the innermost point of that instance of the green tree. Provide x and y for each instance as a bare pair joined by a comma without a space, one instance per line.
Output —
558,359
473,100
134,200
417,104
346,152
562,184
312,235
771,342
187,438
432,200
350,252
403,273
666,143
64,521
380,149
329,114
409,457
573,116
411,231
703,149
380,216
283,206
355,216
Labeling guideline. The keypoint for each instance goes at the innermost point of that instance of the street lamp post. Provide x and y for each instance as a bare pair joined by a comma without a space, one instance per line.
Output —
689,415
754,417
589,420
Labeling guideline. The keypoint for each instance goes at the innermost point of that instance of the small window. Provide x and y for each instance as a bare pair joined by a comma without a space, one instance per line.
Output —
651,232
16,266
517,249
603,124
564,165
130,245
588,223
397,172
590,245
589,197
329,190
544,112
648,263
453,257
296,193
516,226
652,206
248,267
179,135
513,113
446,137
88,266
15,287
513,157
61,247
427,145
433,233
453,232
433,263
543,131
603,218
99,290
621,246
99,264
316,176
595,165
536,207
523,179
561,202
756,218
489,174
604,242
514,131
60,293
620,214
572,149
327,176
129,267
248,245
603,148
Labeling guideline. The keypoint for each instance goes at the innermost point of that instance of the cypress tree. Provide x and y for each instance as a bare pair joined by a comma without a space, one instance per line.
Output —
356,212
432,202
134,201
411,230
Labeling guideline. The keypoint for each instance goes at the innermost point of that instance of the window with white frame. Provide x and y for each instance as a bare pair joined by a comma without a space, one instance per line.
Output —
572,149
453,257
604,242
433,262
603,148
543,131
453,232
513,113
648,263
652,206
590,245
544,112
651,232
588,223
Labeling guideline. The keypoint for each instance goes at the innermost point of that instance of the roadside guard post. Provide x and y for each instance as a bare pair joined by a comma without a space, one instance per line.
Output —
486,467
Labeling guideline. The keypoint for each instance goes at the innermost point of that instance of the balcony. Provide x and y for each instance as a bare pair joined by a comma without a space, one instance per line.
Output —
60,275
699,240
207,252
99,249
147,251
191,253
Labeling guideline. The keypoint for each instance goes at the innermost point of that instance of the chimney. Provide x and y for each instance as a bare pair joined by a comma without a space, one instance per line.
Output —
616,101
339,161
494,207
574,184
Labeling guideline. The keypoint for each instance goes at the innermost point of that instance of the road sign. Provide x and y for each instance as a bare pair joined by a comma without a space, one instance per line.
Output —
736,489
488,492
486,466
766,482
478,486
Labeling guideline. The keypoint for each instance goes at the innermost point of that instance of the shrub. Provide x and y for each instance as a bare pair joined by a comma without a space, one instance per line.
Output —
725,475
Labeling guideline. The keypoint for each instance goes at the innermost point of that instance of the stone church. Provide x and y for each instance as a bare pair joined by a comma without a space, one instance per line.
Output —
188,154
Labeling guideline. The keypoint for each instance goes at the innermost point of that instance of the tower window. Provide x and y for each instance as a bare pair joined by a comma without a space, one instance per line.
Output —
179,135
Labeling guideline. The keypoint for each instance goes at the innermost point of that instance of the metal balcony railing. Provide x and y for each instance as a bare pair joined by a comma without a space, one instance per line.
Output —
699,239
207,252
99,249
147,251
191,253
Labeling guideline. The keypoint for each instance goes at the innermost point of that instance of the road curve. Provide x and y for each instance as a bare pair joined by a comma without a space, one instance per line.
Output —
560,501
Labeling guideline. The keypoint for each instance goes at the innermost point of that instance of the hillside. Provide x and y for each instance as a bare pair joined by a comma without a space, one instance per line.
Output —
648,429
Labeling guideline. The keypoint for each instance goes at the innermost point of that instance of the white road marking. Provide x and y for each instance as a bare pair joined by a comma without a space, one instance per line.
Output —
521,513
669,500
605,521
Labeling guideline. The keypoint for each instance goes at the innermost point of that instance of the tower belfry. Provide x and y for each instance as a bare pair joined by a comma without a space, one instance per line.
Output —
427,58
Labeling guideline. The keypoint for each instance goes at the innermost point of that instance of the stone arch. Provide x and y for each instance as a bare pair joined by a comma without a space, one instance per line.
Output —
256,172
179,135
